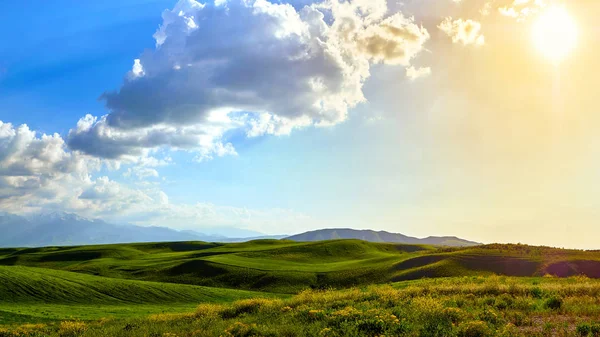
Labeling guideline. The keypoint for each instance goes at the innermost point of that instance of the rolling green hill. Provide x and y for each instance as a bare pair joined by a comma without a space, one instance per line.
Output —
266,265
128,280
29,294
38,285
288,267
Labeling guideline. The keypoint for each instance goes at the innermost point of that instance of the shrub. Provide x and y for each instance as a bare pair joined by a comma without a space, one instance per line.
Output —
583,329
436,324
554,303
242,330
491,316
455,315
474,329
313,315
71,328
504,302
536,292
489,301
371,326
518,318
509,330
209,310
248,307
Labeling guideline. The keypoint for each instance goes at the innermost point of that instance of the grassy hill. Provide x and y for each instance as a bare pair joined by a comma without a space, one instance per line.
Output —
38,285
266,265
289,267
36,294
123,281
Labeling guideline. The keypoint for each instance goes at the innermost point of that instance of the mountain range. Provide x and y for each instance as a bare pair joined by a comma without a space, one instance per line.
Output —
60,229
373,236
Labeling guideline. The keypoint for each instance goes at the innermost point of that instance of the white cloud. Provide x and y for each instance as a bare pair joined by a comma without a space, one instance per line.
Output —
463,31
254,65
247,66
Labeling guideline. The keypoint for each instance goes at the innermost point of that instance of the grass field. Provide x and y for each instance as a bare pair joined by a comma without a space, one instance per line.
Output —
108,287
461,307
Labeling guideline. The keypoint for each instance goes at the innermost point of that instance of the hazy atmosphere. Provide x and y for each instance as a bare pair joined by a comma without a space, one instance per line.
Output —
469,118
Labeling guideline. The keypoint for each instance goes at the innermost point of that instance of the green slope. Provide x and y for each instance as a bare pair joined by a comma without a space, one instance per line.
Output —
266,265
288,267
38,285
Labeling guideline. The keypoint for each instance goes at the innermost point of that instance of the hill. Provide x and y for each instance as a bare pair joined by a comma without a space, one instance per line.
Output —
284,266
44,286
132,280
382,236
267,265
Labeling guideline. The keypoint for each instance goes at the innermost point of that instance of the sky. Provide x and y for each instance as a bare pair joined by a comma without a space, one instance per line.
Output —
470,118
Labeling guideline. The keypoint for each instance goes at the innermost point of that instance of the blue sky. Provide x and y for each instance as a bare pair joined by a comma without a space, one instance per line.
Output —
60,61
213,120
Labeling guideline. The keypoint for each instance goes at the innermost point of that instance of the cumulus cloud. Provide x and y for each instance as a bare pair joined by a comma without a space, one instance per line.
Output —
522,9
263,67
28,162
38,172
251,67
463,31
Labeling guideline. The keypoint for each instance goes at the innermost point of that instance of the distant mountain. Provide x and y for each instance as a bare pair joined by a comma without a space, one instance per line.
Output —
373,236
262,237
59,229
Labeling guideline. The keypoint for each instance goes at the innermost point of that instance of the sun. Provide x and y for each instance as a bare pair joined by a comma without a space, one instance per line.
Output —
555,34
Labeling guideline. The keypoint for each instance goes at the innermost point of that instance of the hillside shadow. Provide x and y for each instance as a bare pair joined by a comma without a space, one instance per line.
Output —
420,261
501,265
199,268
574,268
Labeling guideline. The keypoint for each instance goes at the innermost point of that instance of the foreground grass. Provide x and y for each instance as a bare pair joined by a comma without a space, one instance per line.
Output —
460,307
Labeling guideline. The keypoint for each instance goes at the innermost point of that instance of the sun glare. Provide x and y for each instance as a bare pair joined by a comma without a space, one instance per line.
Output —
555,34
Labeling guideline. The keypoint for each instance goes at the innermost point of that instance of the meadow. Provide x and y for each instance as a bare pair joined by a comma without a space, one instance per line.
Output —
284,288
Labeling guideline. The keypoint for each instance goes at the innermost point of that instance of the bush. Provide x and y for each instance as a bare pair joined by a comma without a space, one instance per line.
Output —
371,326
248,307
474,329
209,310
536,292
491,316
518,318
239,329
436,324
504,302
583,329
455,315
554,303
71,328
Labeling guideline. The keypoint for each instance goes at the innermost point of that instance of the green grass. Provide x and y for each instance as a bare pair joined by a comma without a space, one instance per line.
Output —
128,282
289,267
38,285
265,265
39,295
453,307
